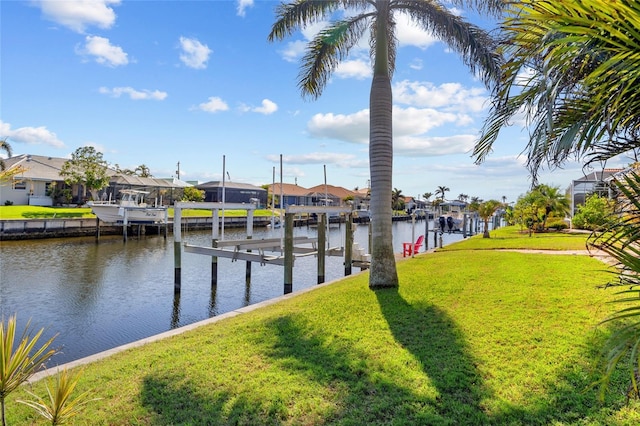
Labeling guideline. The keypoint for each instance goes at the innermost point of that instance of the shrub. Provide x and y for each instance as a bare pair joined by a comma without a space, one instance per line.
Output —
594,213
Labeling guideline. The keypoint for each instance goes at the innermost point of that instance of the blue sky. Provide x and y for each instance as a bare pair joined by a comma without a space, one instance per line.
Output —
162,82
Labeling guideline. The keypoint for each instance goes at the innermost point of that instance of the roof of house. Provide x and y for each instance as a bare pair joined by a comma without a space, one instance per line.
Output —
42,168
336,191
36,167
227,184
288,189
148,182
597,176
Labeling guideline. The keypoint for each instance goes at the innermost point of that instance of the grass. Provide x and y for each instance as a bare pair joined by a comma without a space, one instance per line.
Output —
37,212
512,237
470,338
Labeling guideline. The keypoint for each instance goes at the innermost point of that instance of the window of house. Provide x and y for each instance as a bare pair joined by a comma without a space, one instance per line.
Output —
19,184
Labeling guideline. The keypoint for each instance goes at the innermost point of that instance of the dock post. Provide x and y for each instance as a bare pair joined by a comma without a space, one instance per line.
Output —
177,255
426,232
249,236
464,225
413,231
322,245
348,244
97,229
214,243
288,253
125,224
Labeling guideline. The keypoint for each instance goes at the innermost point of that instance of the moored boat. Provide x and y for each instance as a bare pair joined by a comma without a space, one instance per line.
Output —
131,208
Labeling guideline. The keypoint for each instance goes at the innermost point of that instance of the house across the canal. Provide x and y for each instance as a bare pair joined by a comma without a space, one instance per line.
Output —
234,192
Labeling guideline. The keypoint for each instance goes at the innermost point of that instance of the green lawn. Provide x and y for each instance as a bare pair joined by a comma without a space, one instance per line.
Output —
512,237
471,337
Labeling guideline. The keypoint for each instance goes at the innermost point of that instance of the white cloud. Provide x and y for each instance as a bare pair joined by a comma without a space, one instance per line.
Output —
449,96
294,50
214,104
338,159
417,146
194,54
134,94
410,34
104,52
243,5
354,69
354,127
30,135
351,127
77,15
416,64
268,107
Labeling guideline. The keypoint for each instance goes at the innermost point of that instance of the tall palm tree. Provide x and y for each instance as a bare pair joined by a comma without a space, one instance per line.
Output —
333,44
440,192
4,146
573,68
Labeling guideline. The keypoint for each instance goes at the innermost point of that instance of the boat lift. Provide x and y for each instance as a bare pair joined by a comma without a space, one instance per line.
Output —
252,250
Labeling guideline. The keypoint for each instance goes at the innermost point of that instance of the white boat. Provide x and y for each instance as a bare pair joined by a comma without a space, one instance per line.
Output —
452,216
131,208
362,213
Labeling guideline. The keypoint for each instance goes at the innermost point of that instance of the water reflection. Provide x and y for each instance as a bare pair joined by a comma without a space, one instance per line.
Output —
98,296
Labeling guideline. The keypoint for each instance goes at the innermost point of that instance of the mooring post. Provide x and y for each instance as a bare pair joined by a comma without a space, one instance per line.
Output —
288,253
348,244
166,223
413,231
464,225
125,224
426,231
322,245
214,243
97,229
249,236
177,253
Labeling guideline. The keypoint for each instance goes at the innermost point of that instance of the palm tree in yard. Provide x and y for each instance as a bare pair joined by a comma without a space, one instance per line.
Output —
573,69
485,211
333,44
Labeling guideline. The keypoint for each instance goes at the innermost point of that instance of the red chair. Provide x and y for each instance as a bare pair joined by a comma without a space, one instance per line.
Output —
409,249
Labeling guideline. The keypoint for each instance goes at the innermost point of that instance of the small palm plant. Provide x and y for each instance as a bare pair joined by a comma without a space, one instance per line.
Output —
19,363
60,406
621,240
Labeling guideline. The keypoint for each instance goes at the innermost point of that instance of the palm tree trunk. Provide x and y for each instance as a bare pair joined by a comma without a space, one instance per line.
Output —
383,264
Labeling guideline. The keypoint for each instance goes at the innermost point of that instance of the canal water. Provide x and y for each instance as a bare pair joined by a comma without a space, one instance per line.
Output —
99,296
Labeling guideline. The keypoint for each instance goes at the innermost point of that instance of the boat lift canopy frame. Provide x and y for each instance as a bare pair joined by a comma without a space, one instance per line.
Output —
286,243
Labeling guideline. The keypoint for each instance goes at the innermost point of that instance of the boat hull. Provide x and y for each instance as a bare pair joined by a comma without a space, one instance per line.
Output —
117,214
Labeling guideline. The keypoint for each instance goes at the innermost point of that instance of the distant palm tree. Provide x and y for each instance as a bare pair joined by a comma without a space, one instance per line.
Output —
397,199
143,171
485,211
427,195
440,191
333,44
463,197
554,202
4,146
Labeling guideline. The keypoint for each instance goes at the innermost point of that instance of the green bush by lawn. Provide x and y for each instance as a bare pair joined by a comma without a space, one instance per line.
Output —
471,337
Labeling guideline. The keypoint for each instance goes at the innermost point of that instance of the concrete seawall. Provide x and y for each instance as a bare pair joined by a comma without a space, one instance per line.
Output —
21,229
